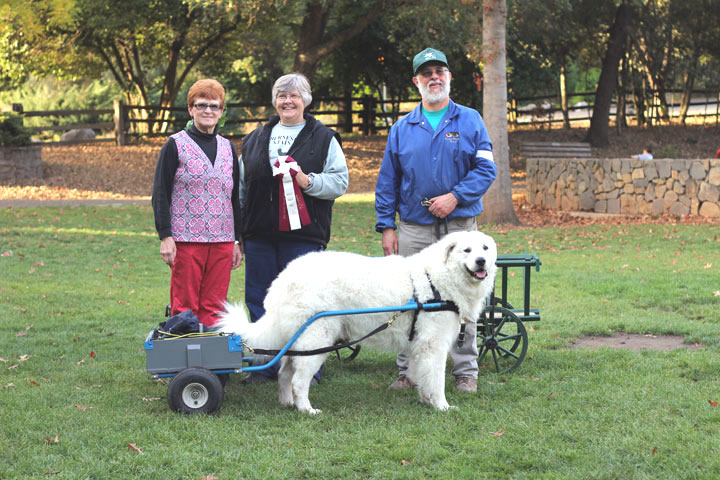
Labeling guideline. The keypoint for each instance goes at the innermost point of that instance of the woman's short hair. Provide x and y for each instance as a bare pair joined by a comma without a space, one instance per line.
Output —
206,88
288,83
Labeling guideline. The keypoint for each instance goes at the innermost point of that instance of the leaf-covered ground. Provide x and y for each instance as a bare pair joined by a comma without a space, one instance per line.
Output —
105,171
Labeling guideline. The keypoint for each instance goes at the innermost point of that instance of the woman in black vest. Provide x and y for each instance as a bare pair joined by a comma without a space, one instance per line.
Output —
294,169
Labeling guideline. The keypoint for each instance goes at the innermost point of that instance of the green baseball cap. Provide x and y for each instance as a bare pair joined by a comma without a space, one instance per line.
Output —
428,55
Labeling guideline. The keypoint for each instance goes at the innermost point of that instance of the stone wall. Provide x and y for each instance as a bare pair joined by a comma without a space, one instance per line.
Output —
626,185
20,162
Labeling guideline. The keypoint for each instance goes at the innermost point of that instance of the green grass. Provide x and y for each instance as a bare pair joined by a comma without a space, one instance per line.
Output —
90,280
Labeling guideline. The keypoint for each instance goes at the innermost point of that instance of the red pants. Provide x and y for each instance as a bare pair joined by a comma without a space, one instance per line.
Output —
200,279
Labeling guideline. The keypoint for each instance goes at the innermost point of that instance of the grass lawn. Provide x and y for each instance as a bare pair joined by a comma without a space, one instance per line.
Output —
84,285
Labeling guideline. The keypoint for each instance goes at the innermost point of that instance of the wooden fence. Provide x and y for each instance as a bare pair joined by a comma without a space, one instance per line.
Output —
367,115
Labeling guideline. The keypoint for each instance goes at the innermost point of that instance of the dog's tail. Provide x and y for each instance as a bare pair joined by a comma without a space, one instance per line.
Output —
256,335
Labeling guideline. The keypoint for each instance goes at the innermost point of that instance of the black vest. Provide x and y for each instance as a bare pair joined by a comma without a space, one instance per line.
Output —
260,209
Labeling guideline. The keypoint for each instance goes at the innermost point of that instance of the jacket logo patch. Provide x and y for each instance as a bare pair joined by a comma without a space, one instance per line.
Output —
453,137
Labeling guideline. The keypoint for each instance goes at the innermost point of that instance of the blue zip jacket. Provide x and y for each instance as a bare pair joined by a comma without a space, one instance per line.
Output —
422,163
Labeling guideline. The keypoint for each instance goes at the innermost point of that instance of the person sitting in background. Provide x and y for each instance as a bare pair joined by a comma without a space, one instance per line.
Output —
646,155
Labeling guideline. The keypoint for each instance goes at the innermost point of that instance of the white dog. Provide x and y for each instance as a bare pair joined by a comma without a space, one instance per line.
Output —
461,267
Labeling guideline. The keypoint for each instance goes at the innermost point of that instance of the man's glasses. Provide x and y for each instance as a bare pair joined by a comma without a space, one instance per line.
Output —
205,106
428,72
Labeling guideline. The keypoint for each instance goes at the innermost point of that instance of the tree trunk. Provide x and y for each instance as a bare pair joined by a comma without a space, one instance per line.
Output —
563,96
497,201
689,83
599,124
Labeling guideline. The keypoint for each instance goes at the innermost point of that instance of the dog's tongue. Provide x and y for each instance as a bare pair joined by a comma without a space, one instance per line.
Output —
481,274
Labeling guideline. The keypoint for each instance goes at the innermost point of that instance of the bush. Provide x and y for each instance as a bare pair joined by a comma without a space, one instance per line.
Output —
12,131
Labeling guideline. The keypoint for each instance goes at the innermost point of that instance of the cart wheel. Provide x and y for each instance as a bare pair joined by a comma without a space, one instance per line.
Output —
195,390
502,340
501,303
497,302
344,356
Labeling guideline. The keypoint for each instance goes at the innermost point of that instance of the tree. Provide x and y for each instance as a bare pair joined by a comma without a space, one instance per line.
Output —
653,40
315,42
498,200
149,46
597,135
696,23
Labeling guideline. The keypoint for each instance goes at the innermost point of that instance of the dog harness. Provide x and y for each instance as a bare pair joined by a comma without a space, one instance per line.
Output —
447,305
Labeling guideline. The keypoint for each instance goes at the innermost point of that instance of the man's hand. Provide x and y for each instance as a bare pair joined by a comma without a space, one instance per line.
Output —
443,205
168,250
302,179
389,241
237,256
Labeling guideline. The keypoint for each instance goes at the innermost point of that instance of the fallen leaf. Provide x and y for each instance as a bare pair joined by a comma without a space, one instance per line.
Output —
8,385
603,300
34,383
499,433
708,265
80,362
53,440
83,407
151,399
161,381
208,477
92,354
405,462
22,358
550,395
654,452
5,361
716,293
13,366
21,333
714,404
133,447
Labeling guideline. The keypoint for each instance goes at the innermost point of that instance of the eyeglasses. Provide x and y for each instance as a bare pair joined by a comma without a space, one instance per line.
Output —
427,73
293,96
205,106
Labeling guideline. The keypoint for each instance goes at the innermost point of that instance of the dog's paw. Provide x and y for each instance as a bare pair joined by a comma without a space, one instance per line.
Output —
445,407
313,411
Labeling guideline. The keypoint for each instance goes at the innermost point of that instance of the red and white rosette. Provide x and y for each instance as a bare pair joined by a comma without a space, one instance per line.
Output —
293,212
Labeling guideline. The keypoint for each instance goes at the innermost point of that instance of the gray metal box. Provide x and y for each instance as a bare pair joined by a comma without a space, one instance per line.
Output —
214,352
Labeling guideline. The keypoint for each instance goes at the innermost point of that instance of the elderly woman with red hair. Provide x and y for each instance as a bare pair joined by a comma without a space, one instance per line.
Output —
197,209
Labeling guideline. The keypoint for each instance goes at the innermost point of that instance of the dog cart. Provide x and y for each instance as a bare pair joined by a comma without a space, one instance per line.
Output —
200,363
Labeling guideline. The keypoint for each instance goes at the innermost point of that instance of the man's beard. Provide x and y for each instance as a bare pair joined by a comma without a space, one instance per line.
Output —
434,97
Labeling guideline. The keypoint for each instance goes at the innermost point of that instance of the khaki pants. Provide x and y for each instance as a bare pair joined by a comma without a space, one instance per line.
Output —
411,239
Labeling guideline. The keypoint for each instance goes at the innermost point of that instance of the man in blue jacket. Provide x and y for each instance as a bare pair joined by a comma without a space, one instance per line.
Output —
438,163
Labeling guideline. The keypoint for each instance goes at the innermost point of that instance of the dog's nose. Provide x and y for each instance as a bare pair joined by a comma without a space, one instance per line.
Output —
480,261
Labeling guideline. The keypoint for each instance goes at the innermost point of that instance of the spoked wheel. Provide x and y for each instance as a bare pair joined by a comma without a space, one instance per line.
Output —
348,354
502,340
195,390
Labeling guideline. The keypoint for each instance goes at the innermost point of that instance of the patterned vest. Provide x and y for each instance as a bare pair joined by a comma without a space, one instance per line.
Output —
200,207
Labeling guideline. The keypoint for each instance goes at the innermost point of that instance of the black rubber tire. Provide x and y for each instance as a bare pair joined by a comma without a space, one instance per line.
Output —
195,390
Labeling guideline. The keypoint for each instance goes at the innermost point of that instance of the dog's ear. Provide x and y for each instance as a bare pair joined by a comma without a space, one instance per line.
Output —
448,251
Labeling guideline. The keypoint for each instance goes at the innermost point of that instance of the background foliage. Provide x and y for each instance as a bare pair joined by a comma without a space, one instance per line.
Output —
153,49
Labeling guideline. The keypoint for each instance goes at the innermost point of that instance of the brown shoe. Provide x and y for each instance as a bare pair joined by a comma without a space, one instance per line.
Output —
401,383
466,385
